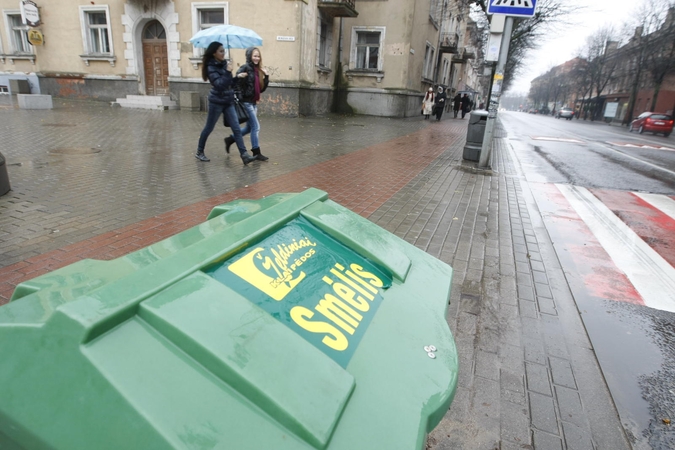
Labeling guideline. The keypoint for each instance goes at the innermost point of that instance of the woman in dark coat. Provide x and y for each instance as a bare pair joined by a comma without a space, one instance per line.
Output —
251,86
439,104
456,104
221,99
466,105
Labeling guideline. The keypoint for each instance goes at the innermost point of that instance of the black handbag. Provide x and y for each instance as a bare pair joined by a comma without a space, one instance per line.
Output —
242,115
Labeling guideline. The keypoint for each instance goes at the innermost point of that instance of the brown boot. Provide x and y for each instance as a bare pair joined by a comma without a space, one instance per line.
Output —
259,156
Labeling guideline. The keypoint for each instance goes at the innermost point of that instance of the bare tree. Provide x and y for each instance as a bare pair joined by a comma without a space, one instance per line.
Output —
600,54
650,50
528,34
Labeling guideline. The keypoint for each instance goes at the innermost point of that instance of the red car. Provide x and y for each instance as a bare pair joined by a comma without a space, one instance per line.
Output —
654,122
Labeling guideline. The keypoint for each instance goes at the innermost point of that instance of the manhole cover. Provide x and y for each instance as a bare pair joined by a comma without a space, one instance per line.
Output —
58,124
75,151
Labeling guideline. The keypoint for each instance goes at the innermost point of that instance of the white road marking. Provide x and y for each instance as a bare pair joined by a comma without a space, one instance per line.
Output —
637,159
649,273
546,138
661,202
650,147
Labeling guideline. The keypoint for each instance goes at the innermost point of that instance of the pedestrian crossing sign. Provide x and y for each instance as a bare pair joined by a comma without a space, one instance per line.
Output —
518,8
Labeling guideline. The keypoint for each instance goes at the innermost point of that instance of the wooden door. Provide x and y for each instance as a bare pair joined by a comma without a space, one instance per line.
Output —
155,59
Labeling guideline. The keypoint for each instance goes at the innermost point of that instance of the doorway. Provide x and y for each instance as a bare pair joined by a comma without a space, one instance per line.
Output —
155,59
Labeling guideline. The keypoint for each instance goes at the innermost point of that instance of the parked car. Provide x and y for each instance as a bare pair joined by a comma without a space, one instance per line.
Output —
545,111
565,113
654,122
533,111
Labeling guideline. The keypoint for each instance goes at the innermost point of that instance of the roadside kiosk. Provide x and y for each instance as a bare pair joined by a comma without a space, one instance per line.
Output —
288,322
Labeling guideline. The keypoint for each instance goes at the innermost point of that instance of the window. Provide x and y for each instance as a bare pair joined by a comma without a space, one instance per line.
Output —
18,33
97,40
366,51
428,69
98,32
206,15
325,31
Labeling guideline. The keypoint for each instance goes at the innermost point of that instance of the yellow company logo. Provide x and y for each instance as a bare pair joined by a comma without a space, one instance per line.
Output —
275,271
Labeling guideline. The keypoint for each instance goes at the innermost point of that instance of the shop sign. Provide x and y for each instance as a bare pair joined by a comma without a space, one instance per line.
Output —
35,37
30,14
319,288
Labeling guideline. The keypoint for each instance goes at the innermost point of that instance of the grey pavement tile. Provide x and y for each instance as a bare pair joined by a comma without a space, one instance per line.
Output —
538,379
542,411
487,365
537,265
542,290
576,437
544,441
524,279
511,357
535,256
527,309
525,292
561,370
515,424
570,406
539,277
547,306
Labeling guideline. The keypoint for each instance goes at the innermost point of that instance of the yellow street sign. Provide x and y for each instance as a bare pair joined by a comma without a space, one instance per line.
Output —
35,37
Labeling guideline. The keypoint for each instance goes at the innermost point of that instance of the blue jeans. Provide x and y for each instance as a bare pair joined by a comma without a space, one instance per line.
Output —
212,119
252,126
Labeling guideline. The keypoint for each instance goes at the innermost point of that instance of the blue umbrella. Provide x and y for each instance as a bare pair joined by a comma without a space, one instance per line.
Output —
231,36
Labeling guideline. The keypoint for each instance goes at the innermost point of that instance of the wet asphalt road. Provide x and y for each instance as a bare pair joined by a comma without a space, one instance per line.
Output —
599,157
634,344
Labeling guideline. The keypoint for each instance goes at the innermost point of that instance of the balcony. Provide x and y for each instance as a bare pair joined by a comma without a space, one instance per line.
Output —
449,42
463,54
338,8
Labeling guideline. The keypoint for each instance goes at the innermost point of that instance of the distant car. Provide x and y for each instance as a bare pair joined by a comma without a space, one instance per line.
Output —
654,122
545,111
533,111
565,113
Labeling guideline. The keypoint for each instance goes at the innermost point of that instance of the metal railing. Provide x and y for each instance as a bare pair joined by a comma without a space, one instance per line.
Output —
346,2
449,39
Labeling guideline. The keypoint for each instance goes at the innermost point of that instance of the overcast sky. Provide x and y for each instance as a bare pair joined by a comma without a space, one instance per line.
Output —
564,43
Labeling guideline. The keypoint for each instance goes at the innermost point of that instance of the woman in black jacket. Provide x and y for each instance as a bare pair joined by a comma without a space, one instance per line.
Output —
252,84
439,103
221,99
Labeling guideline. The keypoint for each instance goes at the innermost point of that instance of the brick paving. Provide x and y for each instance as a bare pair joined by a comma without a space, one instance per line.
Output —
528,376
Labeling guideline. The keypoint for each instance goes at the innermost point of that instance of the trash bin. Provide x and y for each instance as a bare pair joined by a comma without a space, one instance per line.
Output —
4,176
474,135
288,322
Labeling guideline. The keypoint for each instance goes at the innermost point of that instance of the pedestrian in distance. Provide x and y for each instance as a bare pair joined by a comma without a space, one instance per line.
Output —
218,72
456,104
466,105
439,105
250,87
428,103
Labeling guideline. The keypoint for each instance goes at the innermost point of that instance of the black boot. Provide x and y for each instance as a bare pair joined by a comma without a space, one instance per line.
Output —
201,156
247,158
259,156
228,143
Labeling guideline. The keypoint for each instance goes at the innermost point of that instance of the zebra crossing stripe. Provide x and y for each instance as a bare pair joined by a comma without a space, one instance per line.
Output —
661,202
650,274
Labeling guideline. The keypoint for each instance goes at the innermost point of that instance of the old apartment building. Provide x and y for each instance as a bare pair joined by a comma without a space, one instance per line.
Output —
625,80
362,56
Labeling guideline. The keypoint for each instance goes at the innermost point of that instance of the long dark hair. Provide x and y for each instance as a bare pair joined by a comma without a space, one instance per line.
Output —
208,55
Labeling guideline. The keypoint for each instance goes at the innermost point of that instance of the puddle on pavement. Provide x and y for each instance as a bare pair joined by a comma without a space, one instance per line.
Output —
74,151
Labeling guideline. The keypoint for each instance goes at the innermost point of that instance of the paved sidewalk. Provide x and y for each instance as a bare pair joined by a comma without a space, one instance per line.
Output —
528,374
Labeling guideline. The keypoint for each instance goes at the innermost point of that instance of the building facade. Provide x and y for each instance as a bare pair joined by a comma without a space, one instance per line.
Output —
635,77
366,57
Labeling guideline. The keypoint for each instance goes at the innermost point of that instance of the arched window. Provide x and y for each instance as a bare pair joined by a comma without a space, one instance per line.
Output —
154,30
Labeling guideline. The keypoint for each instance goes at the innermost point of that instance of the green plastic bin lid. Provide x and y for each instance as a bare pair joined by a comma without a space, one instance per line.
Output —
283,323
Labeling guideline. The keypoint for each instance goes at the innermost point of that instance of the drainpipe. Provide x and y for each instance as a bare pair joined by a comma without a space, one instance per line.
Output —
439,57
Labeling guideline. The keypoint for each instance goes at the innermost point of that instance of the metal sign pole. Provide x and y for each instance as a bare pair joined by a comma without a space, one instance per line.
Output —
496,93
